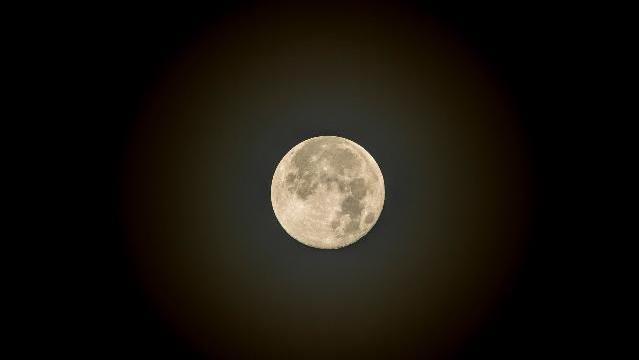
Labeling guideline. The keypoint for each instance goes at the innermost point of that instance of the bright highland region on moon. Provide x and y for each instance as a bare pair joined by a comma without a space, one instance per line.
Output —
327,192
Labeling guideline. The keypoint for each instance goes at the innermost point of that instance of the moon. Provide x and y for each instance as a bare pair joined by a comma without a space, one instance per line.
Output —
327,192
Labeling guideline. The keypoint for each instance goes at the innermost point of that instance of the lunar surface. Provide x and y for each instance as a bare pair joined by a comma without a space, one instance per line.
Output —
327,192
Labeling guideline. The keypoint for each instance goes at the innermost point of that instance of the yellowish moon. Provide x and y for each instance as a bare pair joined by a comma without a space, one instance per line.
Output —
327,192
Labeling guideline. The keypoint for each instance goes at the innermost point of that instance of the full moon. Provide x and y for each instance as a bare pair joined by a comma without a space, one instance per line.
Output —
327,192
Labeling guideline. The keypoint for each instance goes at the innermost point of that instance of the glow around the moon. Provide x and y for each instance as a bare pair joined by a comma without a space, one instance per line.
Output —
327,192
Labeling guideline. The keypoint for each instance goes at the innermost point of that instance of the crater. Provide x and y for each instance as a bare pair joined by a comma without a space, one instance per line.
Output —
369,218
352,226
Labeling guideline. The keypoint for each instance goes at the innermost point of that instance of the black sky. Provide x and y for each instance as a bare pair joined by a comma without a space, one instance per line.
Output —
117,58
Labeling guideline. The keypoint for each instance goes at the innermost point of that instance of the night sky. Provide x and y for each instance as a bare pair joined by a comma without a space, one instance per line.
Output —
183,114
